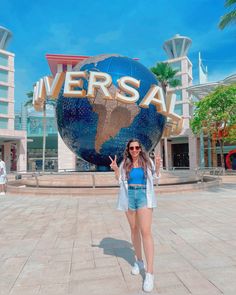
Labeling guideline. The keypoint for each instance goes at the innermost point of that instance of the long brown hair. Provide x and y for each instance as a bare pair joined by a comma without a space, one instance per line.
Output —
143,160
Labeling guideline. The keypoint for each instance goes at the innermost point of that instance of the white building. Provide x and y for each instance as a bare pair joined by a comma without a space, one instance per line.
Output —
12,142
181,150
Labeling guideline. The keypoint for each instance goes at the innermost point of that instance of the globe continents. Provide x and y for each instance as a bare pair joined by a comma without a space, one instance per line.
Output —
96,128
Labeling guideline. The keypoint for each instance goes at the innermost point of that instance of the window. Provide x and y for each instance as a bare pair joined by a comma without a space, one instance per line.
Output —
176,66
3,108
178,46
3,60
3,123
179,78
179,109
178,95
3,76
3,91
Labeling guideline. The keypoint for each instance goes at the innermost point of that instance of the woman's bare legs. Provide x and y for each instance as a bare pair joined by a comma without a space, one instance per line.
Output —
135,233
144,216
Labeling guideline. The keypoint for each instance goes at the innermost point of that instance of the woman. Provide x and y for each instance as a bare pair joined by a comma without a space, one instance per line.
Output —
3,177
137,199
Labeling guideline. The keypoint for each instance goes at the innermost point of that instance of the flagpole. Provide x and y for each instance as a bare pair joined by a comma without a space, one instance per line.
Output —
202,160
199,67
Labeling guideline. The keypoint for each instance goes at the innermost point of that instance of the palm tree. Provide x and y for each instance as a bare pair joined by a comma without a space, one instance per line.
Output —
165,75
229,17
29,102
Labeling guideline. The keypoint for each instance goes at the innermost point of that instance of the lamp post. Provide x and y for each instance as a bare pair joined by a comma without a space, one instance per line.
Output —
202,160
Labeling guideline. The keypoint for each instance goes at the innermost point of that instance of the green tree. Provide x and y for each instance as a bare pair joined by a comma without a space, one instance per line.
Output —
215,115
165,75
232,134
229,17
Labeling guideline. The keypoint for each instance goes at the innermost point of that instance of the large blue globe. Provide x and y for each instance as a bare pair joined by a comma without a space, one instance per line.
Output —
95,129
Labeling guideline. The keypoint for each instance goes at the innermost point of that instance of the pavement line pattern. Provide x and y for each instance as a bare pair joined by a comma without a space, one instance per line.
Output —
66,245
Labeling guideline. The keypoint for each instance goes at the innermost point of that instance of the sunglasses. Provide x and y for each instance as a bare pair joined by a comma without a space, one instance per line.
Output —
132,148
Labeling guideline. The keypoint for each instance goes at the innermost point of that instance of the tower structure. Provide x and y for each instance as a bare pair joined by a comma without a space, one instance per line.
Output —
180,151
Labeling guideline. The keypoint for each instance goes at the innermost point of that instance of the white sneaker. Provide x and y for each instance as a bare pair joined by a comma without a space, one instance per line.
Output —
148,282
138,266
2,193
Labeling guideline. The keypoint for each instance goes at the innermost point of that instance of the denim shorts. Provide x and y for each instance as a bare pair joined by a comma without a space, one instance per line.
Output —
137,197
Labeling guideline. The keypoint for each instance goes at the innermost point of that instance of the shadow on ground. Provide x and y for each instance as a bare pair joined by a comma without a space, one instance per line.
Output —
119,248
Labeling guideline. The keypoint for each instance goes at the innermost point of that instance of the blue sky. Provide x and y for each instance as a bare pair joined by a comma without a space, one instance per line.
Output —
128,27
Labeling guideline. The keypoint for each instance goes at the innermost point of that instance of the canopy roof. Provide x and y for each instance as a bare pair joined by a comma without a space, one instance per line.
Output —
201,90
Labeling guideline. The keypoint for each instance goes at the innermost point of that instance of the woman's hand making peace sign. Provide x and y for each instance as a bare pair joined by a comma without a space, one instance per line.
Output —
113,164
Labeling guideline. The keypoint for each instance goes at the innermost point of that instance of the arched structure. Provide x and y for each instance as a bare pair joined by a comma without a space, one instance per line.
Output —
5,36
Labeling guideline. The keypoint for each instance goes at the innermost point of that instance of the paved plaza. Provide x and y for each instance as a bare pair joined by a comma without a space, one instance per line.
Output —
81,245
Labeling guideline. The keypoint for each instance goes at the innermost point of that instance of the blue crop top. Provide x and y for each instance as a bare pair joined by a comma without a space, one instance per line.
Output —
136,176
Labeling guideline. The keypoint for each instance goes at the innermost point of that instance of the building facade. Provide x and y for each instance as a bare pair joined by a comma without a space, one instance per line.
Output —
181,151
67,160
210,147
13,143
32,122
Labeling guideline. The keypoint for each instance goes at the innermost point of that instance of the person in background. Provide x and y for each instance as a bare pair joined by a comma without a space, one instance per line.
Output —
136,176
3,177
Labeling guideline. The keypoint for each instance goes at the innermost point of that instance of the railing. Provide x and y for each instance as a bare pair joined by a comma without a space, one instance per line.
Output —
36,175
180,168
213,171
199,172
230,172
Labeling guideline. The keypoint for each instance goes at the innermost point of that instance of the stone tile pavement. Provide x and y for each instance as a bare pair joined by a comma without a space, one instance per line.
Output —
81,245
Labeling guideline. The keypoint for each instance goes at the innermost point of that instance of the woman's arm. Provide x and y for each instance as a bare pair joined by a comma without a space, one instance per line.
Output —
117,173
158,164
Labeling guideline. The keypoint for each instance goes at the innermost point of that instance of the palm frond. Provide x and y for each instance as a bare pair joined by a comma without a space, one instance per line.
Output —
29,103
30,94
228,3
175,83
227,19
163,71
